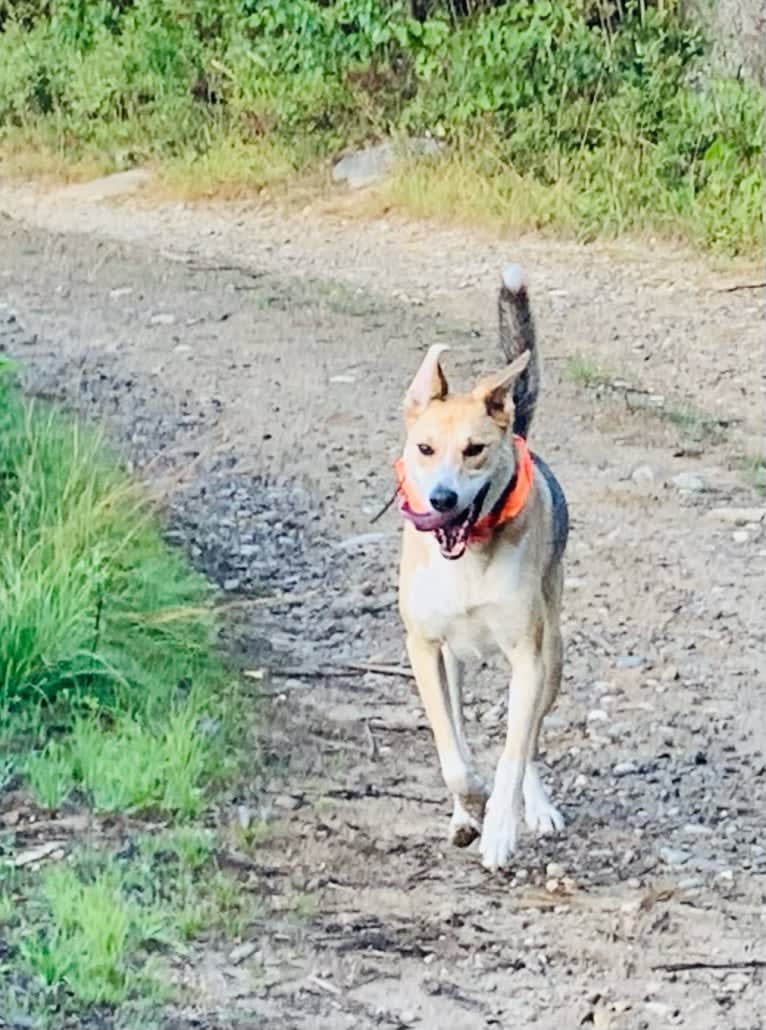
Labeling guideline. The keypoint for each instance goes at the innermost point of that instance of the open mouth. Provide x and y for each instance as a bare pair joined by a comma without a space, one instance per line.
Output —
452,531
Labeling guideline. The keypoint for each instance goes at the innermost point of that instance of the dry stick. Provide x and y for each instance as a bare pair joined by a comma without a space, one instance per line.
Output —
683,967
741,286
343,669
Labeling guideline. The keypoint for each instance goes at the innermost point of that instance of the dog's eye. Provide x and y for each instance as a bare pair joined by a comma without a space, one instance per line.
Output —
473,450
425,449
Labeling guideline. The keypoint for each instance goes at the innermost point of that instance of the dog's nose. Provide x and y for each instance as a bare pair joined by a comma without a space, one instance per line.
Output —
443,499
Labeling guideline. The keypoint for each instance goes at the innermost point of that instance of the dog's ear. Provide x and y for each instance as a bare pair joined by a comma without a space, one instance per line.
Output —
428,385
496,391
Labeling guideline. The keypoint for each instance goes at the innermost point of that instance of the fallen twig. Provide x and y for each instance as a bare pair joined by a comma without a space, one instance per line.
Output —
741,286
683,967
346,794
322,671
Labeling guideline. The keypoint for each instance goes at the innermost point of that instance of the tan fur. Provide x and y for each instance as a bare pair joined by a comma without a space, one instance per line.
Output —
503,594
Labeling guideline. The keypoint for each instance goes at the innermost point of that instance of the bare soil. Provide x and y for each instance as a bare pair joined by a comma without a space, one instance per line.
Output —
251,365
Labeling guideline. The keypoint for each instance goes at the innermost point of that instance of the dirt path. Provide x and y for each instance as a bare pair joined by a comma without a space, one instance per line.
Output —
253,368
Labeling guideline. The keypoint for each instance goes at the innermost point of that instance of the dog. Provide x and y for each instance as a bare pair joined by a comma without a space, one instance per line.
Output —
485,530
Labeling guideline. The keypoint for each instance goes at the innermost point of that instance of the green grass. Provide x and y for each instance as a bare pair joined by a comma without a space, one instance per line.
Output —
753,467
107,663
113,698
586,373
574,118
94,935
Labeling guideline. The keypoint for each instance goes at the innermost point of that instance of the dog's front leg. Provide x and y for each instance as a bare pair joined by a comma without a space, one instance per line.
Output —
502,820
459,776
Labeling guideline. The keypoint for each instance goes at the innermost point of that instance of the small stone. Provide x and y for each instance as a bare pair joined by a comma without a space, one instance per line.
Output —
736,983
642,475
629,661
674,856
725,876
231,584
242,951
740,536
162,318
626,768
597,715
244,816
555,871
689,482
696,830
288,802
120,291
658,1008
691,883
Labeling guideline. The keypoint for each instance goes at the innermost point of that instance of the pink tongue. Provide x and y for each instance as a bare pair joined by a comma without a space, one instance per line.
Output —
426,522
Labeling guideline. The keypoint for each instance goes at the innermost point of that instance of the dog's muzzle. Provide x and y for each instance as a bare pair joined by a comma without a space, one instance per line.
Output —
452,530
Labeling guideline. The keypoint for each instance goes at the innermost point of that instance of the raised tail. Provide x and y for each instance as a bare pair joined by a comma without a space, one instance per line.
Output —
517,334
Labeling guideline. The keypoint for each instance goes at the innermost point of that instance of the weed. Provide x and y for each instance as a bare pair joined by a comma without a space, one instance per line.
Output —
754,470
584,372
88,932
305,905
49,774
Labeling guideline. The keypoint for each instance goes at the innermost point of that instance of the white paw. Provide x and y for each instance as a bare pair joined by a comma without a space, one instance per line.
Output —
500,833
543,818
463,827
540,815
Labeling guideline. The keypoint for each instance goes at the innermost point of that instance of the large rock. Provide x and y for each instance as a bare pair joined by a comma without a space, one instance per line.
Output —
370,165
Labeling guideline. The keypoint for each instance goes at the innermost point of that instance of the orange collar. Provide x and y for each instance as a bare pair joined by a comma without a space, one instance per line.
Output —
508,507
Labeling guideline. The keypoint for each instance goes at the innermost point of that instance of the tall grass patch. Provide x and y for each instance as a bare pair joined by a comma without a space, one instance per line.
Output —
108,667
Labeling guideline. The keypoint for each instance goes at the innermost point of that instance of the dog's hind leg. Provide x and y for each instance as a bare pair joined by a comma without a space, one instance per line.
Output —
461,780
465,825
540,815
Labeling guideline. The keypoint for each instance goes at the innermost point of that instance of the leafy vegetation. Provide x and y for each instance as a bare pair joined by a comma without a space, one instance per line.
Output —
91,935
605,113
107,660
113,699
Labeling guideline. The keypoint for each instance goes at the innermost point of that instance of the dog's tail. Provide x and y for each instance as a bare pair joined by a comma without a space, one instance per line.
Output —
517,334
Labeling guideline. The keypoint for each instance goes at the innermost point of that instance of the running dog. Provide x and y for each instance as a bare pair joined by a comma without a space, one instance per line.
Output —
486,525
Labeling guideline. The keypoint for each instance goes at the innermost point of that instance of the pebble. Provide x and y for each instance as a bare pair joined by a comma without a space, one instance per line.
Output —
689,482
162,318
242,951
674,856
626,768
740,536
658,1008
691,883
555,871
628,661
642,475
696,830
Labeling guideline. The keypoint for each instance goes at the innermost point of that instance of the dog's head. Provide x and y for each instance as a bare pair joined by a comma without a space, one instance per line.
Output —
459,450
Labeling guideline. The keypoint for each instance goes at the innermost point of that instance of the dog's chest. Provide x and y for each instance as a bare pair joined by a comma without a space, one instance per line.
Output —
473,605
